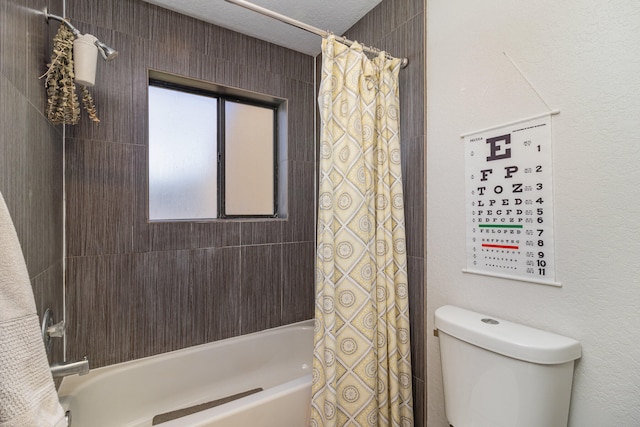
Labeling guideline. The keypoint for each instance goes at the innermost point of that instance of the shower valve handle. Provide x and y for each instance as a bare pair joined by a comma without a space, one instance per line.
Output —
57,330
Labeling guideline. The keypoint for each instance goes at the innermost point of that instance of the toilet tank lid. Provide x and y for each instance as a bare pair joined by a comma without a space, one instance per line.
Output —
506,338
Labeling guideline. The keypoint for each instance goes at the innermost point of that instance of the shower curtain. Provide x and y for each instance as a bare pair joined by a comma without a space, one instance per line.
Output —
361,363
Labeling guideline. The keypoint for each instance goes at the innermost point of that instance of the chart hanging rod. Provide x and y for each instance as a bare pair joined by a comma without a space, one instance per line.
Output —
294,22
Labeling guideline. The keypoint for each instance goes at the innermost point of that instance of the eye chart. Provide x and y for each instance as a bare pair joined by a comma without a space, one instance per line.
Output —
509,201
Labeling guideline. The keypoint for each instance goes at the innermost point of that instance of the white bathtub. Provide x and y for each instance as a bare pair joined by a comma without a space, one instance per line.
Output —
130,394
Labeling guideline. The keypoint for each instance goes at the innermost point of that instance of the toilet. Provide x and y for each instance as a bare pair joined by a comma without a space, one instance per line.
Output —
502,374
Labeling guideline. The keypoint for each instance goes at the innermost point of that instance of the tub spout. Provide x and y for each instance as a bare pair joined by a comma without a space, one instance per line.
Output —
80,367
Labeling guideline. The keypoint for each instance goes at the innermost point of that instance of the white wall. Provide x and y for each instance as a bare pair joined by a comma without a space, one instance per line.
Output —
583,56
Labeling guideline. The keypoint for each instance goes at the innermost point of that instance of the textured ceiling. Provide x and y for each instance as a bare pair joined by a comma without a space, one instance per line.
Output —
336,16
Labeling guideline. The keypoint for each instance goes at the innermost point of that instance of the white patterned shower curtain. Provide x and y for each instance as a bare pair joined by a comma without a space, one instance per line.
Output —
361,363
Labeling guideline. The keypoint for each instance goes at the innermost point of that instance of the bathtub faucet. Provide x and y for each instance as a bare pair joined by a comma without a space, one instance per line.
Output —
80,367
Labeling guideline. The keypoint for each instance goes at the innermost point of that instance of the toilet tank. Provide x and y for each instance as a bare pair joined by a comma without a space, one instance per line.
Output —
501,374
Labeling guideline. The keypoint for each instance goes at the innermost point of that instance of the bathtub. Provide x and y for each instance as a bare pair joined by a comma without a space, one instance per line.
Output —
131,394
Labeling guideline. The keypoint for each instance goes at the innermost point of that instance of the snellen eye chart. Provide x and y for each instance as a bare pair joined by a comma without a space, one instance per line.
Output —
509,202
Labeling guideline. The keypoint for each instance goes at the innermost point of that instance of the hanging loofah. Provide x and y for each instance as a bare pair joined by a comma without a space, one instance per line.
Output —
62,100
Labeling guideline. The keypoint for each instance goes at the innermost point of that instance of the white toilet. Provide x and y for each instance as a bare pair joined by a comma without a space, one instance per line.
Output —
502,374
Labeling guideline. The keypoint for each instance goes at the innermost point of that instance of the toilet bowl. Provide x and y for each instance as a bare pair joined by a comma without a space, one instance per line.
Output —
502,374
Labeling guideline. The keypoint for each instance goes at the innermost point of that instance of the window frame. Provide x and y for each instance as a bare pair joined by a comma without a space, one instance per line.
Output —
222,96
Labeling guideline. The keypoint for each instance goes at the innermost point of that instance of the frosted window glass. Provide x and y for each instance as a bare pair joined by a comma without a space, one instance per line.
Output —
249,159
182,155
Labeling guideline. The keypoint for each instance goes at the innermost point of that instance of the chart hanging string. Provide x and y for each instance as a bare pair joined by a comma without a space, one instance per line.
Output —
529,82
551,111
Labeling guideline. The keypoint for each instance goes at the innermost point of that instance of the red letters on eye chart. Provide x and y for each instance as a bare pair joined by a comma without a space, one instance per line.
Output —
510,202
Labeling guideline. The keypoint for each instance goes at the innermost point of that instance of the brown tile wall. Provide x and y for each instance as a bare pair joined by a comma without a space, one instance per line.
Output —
398,26
31,149
135,289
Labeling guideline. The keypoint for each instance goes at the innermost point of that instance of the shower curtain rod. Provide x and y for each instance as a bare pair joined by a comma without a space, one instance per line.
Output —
282,18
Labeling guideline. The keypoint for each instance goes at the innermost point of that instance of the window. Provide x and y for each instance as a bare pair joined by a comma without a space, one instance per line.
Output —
212,153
